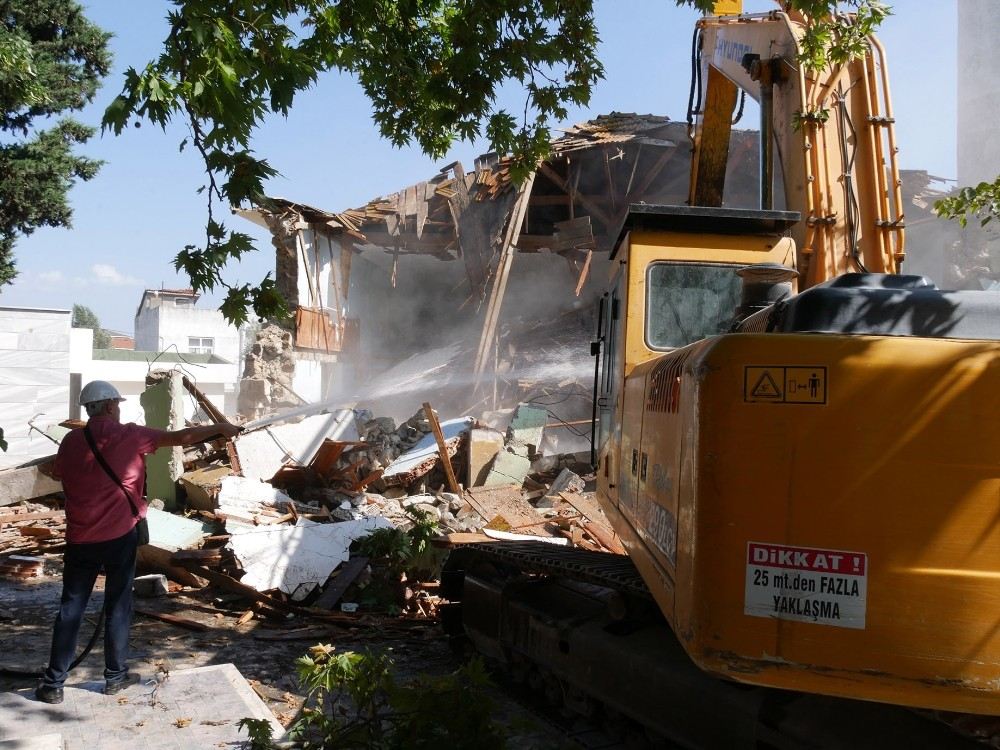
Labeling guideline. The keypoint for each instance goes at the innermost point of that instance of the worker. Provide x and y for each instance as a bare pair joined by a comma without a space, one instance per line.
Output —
103,475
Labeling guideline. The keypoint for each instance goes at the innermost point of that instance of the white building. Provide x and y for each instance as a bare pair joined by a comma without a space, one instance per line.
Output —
167,320
978,91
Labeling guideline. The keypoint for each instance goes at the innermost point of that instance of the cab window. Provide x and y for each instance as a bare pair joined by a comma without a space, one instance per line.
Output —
686,302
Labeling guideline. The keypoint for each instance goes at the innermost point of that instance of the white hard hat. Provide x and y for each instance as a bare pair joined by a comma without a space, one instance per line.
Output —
99,390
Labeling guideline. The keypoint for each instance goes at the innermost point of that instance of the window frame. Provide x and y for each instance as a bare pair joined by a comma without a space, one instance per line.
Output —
200,348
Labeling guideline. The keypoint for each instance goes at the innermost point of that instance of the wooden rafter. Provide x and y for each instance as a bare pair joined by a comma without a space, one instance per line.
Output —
510,238
592,208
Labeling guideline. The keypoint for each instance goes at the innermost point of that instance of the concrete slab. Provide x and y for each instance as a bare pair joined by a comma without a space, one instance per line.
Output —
192,708
484,444
202,486
163,406
423,456
508,468
172,532
26,482
524,434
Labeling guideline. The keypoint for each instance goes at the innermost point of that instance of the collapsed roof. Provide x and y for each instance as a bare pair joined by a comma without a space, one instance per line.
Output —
578,198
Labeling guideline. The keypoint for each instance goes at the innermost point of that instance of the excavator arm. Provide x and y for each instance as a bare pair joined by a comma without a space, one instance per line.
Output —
827,145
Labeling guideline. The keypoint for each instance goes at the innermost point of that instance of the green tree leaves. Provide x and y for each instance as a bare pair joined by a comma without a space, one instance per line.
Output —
432,69
84,317
52,60
983,201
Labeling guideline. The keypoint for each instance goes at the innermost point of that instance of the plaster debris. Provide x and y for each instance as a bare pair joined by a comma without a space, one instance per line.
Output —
262,452
246,495
299,558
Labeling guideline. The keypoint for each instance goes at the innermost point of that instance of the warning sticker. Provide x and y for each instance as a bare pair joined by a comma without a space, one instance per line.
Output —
828,587
784,385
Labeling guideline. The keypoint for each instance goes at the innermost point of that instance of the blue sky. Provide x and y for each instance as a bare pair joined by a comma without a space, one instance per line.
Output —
141,209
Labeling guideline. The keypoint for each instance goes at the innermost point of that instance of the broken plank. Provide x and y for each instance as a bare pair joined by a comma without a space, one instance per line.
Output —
338,585
449,471
40,516
214,413
583,273
36,531
299,634
604,536
507,248
587,506
181,622
460,537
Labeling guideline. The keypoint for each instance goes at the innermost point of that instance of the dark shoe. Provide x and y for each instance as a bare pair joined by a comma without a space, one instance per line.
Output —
110,688
47,694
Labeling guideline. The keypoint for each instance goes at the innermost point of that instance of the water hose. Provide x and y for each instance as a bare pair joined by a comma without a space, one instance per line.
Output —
11,672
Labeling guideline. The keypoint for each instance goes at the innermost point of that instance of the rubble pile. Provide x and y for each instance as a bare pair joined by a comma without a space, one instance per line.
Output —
306,512
28,532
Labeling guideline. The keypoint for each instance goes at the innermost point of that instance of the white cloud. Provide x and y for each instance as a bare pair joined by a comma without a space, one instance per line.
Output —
111,276
51,278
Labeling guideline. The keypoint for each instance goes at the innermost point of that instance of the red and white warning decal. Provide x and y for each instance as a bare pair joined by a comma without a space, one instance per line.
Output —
829,587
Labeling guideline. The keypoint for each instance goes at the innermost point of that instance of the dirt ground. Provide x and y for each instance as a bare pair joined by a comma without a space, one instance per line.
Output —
263,651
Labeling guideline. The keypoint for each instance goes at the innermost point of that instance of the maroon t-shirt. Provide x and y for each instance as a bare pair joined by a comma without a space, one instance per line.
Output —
96,508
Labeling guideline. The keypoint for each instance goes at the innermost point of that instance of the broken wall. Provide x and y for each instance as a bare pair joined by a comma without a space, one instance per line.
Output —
163,404
268,368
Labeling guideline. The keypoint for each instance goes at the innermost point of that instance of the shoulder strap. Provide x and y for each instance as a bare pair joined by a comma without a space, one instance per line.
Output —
107,469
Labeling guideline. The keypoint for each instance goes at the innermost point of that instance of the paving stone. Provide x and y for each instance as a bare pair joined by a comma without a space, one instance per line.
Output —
139,717
44,742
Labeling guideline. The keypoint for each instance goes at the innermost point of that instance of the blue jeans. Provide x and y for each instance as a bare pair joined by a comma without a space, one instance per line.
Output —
81,564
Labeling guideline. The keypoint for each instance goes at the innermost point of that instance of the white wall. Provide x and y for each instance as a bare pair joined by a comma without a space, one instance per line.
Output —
130,380
34,378
147,325
216,381
319,269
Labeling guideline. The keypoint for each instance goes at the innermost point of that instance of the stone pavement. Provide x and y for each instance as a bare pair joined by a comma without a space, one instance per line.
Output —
192,708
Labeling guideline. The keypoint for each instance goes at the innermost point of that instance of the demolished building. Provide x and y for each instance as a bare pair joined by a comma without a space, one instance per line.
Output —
499,279
474,287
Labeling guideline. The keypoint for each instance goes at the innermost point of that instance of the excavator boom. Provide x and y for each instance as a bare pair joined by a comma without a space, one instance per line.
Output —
827,144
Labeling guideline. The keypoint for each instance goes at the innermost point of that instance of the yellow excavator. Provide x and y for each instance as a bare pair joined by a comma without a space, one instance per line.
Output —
798,446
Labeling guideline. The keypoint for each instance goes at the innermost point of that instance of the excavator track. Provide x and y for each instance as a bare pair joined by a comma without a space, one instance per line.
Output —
546,614
541,558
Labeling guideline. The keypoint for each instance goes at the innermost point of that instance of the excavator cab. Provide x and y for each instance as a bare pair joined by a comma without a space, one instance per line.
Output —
809,490
677,270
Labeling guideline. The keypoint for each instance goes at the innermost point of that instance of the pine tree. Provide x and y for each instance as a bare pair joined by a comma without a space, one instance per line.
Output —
52,60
